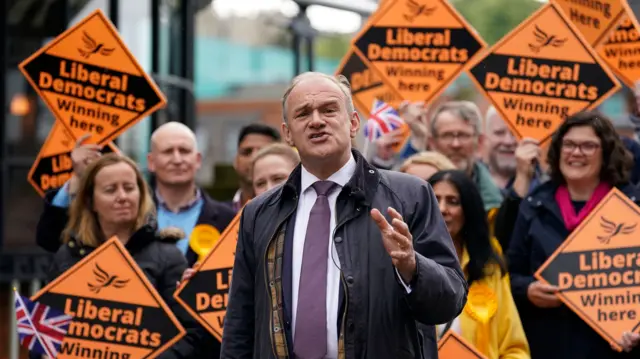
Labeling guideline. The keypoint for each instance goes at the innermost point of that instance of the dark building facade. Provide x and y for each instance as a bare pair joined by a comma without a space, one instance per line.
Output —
26,26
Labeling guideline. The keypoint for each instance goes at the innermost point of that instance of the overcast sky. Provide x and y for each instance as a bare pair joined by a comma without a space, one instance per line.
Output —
322,18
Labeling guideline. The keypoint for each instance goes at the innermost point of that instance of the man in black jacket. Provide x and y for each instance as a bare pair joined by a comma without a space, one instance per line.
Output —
320,271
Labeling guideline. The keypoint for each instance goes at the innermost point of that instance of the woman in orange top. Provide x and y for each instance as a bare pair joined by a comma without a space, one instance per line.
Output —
490,320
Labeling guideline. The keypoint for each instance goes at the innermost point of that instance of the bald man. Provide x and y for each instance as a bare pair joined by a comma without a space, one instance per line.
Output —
174,160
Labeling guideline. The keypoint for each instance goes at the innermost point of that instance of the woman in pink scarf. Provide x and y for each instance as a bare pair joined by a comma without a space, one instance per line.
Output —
586,159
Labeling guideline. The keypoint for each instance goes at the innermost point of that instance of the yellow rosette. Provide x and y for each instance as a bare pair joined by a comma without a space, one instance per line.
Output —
481,306
202,240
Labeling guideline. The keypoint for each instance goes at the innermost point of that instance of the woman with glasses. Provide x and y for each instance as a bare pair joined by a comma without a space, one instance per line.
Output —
586,160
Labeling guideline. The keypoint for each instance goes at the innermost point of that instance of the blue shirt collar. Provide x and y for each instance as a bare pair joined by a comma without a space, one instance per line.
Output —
196,199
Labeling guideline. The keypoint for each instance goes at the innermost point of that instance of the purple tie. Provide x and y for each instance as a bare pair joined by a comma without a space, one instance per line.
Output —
310,341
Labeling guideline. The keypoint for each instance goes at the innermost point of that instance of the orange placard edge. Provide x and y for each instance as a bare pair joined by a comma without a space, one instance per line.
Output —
351,52
451,334
366,110
634,21
356,102
538,274
176,294
115,242
134,61
406,132
443,88
612,25
576,32
39,158
626,10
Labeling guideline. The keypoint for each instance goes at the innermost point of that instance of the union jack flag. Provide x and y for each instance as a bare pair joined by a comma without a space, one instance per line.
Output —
40,328
383,119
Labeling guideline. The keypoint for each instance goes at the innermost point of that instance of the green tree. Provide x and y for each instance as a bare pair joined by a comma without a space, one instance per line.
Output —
495,18
332,46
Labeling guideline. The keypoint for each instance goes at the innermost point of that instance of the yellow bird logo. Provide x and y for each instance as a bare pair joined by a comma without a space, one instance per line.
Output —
105,280
613,229
93,47
543,39
417,9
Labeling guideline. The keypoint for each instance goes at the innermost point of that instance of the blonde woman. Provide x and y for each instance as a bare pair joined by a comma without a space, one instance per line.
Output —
272,165
425,164
113,199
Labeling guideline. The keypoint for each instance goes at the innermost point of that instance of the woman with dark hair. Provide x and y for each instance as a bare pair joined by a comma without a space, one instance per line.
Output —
586,159
490,319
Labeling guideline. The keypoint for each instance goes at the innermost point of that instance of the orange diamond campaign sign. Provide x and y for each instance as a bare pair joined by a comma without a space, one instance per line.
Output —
417,47
91,82
542,72
453,346
116,311
206,294
594,19
620,50
366,85
366,88
53,167
596,268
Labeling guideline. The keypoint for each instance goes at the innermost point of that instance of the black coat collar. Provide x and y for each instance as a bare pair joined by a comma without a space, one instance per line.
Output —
139,240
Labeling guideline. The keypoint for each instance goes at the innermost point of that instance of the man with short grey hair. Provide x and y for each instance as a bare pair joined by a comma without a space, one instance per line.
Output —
456,132
307,250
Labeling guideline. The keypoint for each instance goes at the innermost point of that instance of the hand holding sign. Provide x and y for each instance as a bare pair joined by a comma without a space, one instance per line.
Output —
83,154
629,341
398,242
386,143
594,270
543,295
188,273
414,114
527,154
204,290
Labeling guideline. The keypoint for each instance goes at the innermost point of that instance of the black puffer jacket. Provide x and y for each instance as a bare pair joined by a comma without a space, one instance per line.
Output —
158,257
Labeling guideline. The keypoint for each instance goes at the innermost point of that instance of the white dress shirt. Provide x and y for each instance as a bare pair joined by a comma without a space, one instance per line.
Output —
305,203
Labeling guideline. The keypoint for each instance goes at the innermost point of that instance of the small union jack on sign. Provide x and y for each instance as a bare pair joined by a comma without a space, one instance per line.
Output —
40,328
384,119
